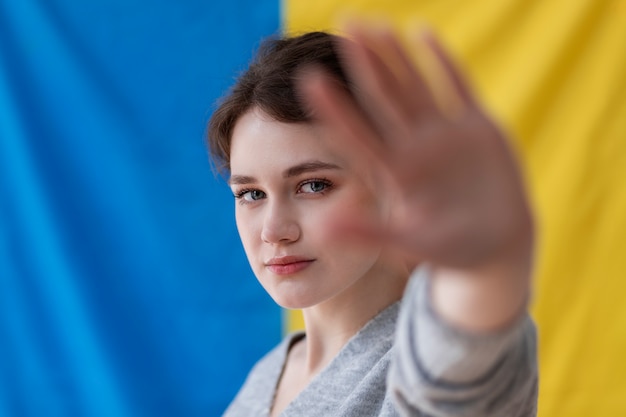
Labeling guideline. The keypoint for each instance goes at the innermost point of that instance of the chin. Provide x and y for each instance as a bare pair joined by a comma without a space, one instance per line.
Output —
295,301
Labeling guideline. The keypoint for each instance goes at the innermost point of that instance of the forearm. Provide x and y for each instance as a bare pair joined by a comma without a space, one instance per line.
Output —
490,295
440,369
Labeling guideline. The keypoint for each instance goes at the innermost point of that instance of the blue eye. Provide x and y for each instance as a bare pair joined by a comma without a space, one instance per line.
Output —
249,196
314,186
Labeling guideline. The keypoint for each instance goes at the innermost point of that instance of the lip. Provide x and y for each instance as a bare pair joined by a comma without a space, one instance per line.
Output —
288,265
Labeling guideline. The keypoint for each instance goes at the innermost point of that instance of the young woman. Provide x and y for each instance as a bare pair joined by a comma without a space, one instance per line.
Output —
357,186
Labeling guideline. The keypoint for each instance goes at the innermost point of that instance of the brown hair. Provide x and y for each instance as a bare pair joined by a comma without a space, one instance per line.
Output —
269,84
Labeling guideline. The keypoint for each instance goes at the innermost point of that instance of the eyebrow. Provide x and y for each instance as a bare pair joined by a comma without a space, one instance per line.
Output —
310,166
294,171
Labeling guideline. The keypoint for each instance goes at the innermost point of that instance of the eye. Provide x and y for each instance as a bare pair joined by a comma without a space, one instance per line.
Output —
249,196
314,186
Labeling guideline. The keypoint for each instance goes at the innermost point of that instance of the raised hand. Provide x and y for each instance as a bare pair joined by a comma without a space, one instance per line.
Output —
458,199
455,191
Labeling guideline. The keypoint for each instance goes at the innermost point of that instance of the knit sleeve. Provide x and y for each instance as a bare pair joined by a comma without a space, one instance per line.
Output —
439,370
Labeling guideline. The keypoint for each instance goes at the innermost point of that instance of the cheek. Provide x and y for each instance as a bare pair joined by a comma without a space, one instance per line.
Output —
344,219
335,232
247,229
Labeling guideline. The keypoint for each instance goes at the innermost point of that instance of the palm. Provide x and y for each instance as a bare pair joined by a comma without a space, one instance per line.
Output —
456,192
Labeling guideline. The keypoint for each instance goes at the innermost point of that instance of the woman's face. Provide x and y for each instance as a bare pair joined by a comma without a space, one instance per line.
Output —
289,187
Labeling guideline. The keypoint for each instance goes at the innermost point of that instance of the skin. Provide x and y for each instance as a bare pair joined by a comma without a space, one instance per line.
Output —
458,198
421,178
288,182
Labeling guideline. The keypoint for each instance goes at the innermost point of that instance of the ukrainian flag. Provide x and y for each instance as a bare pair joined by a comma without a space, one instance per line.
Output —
124,290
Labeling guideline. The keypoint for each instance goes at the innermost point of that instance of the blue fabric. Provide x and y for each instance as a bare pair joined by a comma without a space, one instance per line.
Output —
124,290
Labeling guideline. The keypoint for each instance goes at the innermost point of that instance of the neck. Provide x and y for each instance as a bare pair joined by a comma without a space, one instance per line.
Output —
329,325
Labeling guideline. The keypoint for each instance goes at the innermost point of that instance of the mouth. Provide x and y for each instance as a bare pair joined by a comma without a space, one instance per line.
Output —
288,265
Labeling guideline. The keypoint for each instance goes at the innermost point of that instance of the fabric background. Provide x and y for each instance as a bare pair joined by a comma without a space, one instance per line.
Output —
554,74
124,290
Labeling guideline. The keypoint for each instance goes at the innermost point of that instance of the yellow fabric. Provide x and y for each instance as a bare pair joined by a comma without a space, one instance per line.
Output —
553,73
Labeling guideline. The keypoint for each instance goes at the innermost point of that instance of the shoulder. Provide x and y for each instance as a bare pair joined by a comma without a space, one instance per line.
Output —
256,395
268,369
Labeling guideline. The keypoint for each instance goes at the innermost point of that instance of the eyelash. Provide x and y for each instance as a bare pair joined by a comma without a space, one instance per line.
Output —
239,195
327,184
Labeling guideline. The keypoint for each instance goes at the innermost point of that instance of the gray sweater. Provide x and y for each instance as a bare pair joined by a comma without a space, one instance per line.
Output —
407,362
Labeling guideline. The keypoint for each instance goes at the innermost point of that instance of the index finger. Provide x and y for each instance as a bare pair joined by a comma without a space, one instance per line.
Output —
336,110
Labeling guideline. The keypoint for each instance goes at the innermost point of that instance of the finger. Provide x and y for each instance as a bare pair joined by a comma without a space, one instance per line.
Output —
417,96
452,73
351,132
388,86
375,87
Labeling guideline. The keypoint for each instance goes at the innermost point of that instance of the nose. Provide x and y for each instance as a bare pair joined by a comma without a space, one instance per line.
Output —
280,225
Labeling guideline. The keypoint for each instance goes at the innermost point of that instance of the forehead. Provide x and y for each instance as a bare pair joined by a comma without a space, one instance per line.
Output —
260,143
